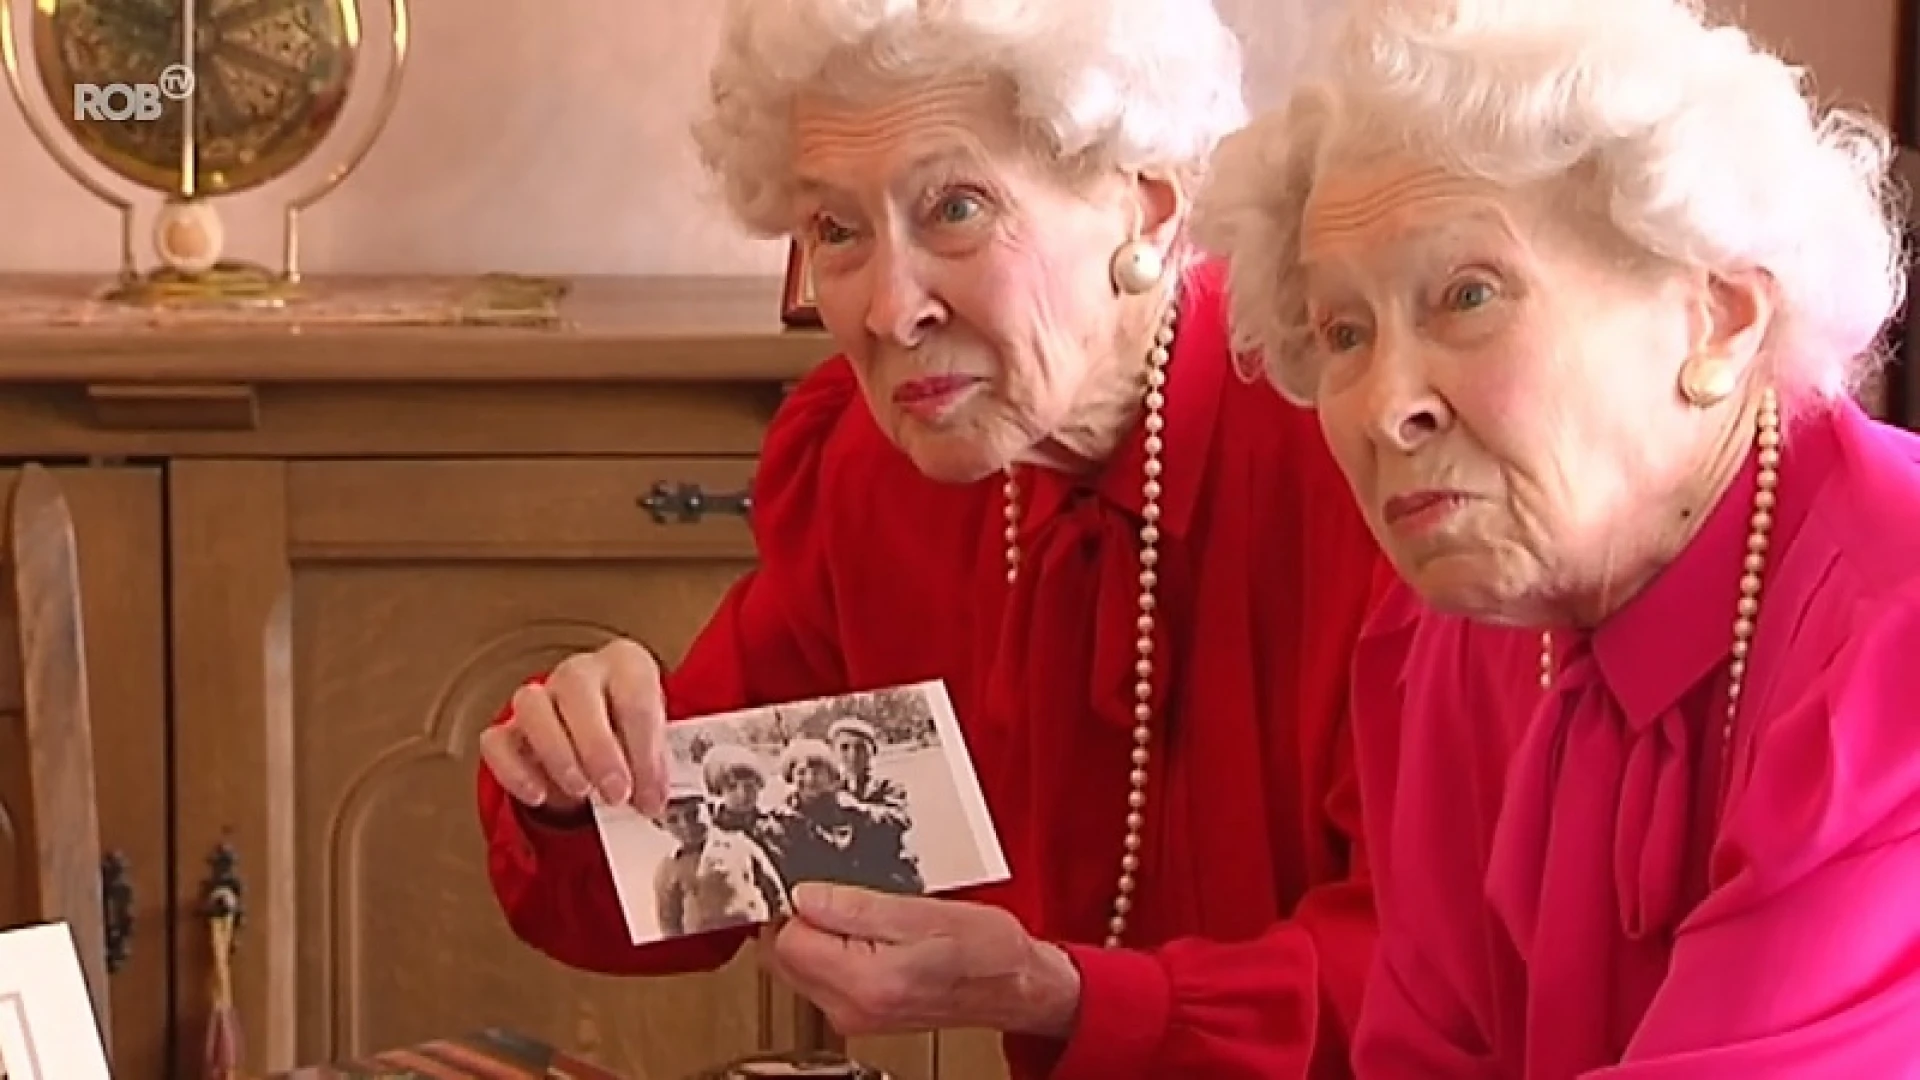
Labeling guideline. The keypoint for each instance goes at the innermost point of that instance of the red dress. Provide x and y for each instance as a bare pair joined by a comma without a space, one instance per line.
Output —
1253,921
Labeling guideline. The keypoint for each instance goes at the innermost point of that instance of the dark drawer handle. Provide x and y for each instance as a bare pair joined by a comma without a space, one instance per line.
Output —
686,504
116,895
223,906
221,892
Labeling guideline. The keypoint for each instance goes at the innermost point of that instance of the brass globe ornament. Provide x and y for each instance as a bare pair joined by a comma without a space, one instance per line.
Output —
195,100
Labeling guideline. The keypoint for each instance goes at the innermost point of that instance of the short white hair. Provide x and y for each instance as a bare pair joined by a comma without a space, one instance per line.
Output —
1700,147
1136,85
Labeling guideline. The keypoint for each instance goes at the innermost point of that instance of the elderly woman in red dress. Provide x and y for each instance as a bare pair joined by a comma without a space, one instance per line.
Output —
1581,291
1031,472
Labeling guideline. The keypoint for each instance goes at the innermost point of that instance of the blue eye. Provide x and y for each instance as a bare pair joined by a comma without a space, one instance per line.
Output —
957,209
1469,295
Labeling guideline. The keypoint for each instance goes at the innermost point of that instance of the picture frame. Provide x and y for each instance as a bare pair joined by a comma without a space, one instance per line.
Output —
1906,105
798,309
1902,381
48,1030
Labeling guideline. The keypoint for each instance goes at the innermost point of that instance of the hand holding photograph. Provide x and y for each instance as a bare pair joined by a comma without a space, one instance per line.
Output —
874,789
47,1029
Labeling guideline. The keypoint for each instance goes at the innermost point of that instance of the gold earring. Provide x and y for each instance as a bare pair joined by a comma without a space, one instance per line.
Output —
1705,383
1137,267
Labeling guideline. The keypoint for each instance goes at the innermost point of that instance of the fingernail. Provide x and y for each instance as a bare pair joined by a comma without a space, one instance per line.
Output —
533,796
575,784
614,789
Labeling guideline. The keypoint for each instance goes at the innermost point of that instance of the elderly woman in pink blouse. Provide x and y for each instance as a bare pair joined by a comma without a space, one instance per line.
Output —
1580,290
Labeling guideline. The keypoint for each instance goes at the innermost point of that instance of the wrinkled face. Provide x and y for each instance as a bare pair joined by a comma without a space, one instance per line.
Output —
967,282
856,753
1497,381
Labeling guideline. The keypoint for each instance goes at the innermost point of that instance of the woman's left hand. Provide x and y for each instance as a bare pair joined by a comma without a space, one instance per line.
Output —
878,963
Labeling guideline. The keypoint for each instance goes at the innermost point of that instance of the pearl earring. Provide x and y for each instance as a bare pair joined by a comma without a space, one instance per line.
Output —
1137,267
1706,383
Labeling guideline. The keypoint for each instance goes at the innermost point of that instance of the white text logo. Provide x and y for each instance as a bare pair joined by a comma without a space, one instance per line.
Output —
132,101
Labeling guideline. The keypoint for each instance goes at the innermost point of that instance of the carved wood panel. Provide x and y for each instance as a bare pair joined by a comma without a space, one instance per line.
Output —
117,527
343,630
942,1055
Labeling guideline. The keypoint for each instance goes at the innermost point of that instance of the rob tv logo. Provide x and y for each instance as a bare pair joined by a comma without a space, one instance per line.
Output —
132,101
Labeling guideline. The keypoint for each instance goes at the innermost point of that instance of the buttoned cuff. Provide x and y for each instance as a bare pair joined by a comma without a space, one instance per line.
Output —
1126,1001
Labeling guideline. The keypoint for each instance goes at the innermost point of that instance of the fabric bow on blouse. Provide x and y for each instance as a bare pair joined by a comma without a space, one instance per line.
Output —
1585,881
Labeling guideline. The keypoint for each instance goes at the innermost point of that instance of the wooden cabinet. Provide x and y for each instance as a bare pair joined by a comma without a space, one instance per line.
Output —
342,631
315,564
119,525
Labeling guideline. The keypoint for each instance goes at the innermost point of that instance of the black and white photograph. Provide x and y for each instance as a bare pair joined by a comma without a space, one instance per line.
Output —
874,789
47,1027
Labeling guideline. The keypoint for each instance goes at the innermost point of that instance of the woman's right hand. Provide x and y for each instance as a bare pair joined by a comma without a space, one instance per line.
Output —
595,727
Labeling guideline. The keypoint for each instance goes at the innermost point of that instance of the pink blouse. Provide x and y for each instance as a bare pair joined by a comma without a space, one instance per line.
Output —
1561,893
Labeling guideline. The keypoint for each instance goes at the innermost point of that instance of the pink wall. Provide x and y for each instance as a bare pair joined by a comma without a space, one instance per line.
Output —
549,137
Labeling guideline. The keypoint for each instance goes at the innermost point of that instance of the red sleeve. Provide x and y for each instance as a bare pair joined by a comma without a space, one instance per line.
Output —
770,640
1283,1004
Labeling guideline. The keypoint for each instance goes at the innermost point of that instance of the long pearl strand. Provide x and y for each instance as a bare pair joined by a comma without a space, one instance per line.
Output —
1155,401
1753,565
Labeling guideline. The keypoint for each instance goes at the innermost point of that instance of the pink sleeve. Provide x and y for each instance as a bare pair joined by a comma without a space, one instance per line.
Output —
1414,1025
1417,1022
1805,959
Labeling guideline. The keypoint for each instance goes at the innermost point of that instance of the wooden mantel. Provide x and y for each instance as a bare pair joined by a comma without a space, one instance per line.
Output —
592,384
612,329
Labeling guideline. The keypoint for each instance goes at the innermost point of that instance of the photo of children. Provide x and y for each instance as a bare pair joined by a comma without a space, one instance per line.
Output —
872,789
47,1025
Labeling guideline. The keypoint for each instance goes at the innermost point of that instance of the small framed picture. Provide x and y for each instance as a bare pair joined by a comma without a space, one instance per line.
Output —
798,309
47,1026
1901,381
872,789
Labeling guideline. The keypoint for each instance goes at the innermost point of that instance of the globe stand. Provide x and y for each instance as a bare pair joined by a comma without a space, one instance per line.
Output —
188,238
249,131
226,284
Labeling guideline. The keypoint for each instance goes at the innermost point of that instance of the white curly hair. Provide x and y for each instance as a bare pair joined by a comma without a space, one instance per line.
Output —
1139,85
1702,147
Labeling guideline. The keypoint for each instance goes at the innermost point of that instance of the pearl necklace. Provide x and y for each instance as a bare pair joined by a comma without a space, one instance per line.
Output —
1747,609
1155,401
